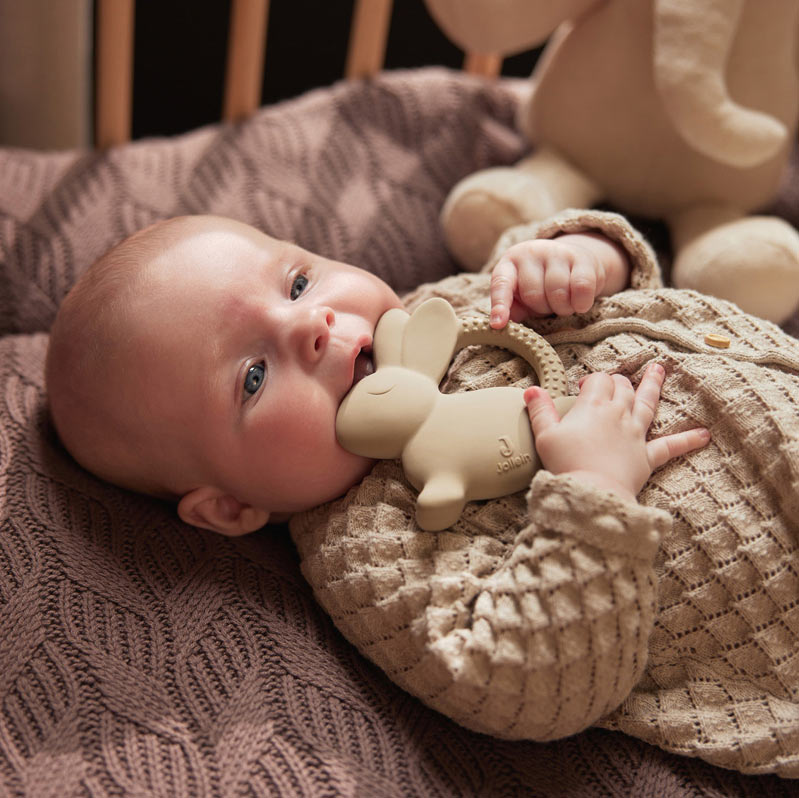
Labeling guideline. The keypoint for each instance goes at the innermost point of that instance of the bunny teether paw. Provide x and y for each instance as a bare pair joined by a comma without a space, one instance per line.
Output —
453,447
440,502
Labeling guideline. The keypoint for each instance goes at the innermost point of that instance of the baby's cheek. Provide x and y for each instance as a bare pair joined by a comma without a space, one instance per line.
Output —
353,469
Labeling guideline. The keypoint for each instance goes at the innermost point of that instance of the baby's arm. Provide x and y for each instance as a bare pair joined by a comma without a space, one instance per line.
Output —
561,275
546,634
602,439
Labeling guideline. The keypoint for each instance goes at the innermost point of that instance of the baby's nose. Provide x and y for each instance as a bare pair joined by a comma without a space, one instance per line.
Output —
313,331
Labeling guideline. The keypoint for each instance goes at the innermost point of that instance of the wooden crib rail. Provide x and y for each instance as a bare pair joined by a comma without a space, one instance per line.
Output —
368,38
114,72
245,59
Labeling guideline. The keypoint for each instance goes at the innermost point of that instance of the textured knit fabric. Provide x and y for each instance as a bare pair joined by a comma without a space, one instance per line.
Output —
347,172
143,657
675,619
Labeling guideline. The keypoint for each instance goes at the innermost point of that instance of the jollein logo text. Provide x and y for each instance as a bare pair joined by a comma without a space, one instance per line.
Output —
511,461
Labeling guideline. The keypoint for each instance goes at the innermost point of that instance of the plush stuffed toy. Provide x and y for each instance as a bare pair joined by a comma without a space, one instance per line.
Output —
684,110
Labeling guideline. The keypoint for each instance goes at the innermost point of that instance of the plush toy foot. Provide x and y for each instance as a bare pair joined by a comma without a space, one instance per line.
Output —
751,260
486,203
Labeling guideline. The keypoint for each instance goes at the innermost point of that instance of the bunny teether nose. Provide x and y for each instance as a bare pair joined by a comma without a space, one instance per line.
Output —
453,447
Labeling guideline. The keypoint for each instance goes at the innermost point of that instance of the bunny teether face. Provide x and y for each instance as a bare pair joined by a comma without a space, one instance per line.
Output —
453,447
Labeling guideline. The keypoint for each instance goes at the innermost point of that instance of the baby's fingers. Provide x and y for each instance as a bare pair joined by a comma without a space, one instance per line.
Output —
541,409
647,395
504,279
582,285
557,285
660,450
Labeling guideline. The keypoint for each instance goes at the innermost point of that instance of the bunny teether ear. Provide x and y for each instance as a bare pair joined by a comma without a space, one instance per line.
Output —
454,447
387,343
429,338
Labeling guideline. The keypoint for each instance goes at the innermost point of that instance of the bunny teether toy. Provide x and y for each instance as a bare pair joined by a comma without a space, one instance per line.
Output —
454,447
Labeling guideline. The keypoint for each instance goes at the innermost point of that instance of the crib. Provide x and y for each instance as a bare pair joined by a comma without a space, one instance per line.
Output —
140,656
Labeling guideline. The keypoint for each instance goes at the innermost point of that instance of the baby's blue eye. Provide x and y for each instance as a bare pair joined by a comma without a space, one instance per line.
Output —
298,286
255,376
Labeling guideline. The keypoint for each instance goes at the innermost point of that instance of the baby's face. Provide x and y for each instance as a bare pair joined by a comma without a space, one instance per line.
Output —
253,346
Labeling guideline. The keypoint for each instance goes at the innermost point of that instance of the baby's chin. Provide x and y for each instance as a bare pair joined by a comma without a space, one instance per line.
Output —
352,473
349,468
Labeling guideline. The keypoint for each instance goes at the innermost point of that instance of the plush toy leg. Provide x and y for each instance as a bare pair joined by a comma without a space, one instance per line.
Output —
750,260
486,203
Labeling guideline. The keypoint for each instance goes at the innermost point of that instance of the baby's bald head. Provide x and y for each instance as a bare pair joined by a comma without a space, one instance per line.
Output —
96,362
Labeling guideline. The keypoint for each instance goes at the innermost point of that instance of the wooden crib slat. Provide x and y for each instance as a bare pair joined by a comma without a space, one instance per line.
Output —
245,58
368,37
114,70
488,65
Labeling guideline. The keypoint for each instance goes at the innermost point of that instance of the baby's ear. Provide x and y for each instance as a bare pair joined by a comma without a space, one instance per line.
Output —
211,508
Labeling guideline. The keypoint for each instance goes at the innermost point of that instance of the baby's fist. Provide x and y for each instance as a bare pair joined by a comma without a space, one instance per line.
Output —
557,276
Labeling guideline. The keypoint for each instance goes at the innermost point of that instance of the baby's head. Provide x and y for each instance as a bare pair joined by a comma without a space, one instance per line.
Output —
203,361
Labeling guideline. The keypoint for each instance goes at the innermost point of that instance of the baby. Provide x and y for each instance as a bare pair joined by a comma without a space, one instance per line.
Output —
646,585
203,361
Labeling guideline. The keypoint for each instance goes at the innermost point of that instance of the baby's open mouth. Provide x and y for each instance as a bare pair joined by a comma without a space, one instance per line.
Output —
364,365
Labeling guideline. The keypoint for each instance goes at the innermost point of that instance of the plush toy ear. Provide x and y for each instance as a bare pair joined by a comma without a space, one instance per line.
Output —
387,342
430,337
692,41
211,508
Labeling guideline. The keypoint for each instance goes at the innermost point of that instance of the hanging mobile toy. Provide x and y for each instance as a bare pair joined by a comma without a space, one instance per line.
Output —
454,447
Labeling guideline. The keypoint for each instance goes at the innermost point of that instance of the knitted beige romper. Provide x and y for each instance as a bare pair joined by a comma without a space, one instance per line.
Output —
675,619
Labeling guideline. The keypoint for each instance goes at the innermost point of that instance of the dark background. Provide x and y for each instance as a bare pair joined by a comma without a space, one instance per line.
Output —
180,52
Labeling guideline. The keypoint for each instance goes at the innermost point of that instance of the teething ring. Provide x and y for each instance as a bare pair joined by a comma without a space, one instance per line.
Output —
454,447
522,341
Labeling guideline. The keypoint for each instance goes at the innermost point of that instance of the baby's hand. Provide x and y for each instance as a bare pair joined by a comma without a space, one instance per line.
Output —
602,439
562,275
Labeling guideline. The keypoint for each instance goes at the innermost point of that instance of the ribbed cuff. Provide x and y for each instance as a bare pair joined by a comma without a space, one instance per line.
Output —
564,504
644,272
